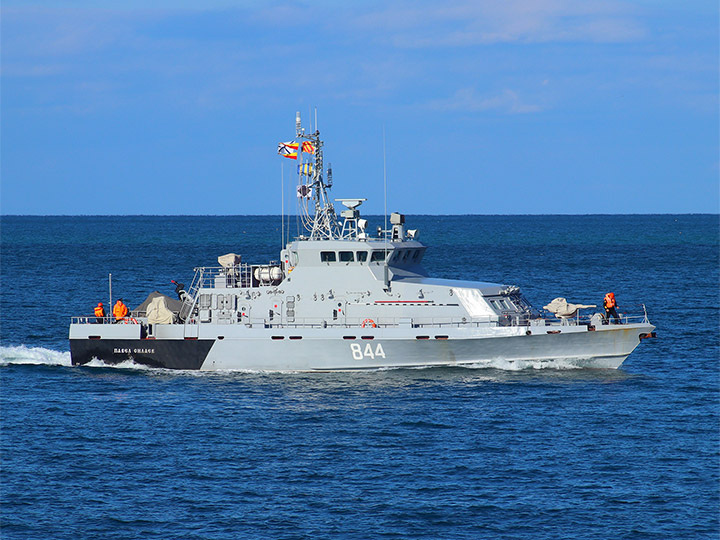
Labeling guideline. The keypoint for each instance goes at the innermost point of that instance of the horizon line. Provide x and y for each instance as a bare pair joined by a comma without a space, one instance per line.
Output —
371,215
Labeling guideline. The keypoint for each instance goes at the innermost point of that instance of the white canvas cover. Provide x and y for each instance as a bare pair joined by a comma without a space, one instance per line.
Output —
158,313
473,302
561,308
229,260
171,303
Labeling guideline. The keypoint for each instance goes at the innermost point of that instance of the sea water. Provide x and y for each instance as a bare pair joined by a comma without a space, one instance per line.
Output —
131,452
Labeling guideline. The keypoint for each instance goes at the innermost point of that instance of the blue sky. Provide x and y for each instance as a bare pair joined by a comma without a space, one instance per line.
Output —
512,107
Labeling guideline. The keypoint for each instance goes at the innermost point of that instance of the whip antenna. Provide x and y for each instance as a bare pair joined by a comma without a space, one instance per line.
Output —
386,276
385,183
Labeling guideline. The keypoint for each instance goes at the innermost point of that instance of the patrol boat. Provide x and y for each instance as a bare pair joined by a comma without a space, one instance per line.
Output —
343,297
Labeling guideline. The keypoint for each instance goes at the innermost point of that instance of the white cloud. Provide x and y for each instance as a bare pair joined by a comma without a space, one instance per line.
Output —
468,100
400,52
463,23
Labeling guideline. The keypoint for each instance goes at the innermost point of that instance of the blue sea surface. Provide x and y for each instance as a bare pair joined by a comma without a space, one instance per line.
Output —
456,453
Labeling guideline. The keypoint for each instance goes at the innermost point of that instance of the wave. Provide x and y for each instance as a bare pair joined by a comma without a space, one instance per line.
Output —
23,355
125,364
33,355
558,364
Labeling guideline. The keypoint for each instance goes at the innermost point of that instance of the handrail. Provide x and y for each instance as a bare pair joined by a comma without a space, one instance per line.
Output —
239,276
392,322
92,319
586,319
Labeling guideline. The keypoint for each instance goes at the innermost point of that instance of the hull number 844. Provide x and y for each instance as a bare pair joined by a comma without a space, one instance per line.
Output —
359,352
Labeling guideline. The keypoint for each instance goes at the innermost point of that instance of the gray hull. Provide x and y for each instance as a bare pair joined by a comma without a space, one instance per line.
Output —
358,348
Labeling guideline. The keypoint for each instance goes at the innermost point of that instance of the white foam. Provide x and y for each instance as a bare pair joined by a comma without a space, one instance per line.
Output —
33,355
125,364
521,365
40,356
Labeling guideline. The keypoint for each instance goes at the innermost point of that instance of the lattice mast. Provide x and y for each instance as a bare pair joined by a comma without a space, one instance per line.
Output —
324,224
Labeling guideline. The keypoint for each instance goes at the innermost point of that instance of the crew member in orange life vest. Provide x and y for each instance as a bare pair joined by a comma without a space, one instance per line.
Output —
611,307
120,310
99,313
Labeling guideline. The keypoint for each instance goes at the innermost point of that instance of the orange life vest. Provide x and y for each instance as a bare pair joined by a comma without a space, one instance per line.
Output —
120,310
610,301
99,311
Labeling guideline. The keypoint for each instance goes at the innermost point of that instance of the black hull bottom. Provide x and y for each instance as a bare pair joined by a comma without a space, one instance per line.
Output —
170,354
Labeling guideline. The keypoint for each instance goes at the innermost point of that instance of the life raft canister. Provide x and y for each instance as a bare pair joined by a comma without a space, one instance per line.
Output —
368,322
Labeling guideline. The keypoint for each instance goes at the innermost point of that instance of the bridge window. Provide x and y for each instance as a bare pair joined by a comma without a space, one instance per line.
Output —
500,304
327,256
347,256
361,256
377,256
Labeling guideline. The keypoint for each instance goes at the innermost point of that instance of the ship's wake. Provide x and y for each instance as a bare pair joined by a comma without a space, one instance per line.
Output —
22,354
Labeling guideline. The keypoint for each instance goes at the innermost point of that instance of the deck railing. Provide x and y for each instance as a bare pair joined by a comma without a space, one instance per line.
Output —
388,322
238,276
580,318
92,319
